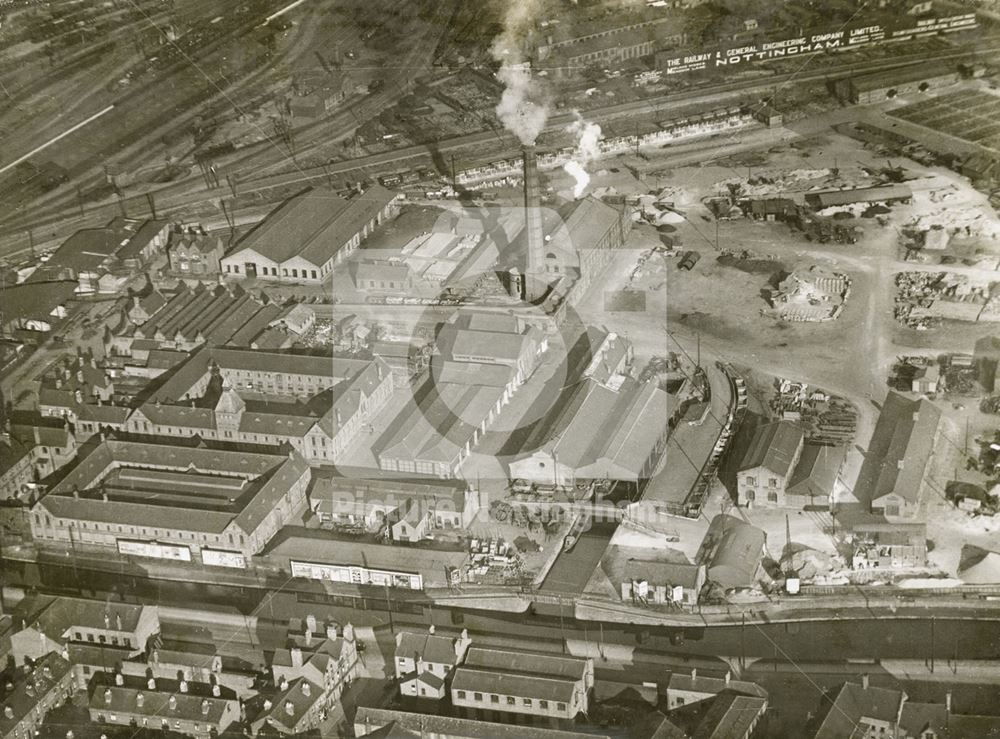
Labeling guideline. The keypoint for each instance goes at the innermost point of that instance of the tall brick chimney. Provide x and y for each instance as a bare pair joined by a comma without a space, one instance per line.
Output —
534,286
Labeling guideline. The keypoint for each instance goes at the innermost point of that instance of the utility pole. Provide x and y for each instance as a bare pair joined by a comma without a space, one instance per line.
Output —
743,645
932,644
388,606
152,205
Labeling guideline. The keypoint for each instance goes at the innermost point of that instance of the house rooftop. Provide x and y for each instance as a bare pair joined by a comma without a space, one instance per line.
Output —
842,709
29,689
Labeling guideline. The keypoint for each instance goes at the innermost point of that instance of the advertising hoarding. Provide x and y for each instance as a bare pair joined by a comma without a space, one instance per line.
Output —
833,40
356,575
223,558
154,550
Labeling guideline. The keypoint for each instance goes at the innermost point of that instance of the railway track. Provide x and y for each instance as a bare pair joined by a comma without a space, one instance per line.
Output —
55,221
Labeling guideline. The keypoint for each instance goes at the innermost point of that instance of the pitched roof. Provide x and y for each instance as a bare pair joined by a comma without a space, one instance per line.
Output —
314,225
428,647
602,432
55,616
538,663
816,471
898,76
900,447
189,507
156,704
730,716
839,716
437,425
475,680
424,724
21,701
489,345
35,300
917,718
773,447
11,453
687,682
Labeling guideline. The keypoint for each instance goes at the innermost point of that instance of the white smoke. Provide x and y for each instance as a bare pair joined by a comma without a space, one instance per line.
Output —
523,107
588,137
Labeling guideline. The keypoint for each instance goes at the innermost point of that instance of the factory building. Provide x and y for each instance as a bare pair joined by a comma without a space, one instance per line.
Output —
308,235
166,501
316,404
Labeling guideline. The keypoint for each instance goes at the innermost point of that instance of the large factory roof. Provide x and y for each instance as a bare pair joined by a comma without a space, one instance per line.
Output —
436,427
314,225
179,487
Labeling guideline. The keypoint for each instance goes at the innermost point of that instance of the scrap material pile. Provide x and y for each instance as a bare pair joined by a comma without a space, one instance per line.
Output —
774,184
825,419
495,562
814,294
924,299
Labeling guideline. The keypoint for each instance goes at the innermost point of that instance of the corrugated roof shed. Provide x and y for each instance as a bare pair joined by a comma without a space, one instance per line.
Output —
887,193
732,551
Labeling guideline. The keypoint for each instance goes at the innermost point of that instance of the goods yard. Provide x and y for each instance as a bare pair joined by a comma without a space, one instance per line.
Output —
969,115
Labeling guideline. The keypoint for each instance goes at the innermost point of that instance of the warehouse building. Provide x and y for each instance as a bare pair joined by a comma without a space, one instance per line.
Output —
308,235
171,502
481,360
901,447
879,86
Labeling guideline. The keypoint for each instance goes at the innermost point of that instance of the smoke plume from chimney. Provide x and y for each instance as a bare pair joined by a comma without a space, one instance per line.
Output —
523,107
588,136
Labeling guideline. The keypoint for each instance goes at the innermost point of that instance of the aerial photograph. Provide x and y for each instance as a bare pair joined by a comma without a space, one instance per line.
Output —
460,369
